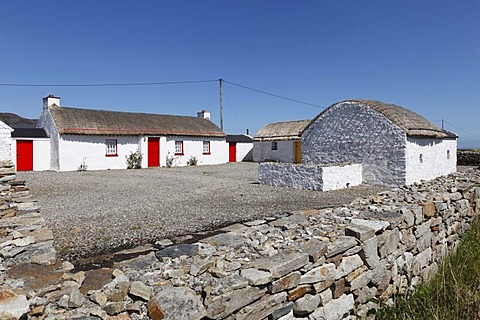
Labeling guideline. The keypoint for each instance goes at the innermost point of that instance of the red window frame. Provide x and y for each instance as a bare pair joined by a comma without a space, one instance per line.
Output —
203,147
110,154
181,146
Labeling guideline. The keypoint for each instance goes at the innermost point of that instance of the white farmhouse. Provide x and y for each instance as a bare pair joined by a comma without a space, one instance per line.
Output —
5,141
279,142
99,139
365,141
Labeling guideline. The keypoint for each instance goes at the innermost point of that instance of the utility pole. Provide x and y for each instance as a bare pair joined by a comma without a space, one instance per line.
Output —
443,124
220,82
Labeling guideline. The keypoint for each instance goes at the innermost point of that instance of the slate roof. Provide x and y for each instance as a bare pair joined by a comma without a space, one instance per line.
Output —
102,122
29,133
290,130
241,138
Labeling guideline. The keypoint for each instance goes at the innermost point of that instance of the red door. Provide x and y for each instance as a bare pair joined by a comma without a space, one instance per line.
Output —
153,152
24,155
232,152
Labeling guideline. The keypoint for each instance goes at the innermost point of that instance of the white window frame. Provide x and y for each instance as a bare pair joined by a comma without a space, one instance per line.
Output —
111,149
206,147
178,147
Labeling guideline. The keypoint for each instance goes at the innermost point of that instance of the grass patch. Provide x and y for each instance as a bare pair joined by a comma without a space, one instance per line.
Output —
453,293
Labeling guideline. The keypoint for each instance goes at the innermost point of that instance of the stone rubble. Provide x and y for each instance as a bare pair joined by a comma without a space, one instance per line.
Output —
324,263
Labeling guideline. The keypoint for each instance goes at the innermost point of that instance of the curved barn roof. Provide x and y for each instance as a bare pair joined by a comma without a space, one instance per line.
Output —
413,124
102,122
289,130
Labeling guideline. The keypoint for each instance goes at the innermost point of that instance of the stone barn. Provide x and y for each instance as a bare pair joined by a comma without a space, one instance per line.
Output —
395,146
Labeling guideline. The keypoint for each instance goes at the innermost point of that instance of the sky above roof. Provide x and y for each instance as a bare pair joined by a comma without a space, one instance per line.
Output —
421,55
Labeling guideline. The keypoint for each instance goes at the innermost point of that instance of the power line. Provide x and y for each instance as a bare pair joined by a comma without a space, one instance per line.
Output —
471,134
275,95
103,84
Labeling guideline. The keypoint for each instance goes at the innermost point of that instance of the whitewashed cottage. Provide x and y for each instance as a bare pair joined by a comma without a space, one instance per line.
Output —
99,139
5,141
239,147
280,142
384,143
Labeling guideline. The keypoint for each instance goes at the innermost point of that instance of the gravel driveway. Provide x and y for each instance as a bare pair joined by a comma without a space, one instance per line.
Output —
94,211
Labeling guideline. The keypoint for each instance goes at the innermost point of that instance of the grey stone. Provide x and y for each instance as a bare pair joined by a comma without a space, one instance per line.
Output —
76,299
278,314
348,265
113,308
423,229
335,309
306,304
287,282
99,298
376,225
360,232
321,273
200,266
256,277
263,308
164,242
282,263
340,245
173,299
228,283
141,290
388,242
315,249
138,263
228,239
221,306
12,306
369,252
178,250
361,281
325,297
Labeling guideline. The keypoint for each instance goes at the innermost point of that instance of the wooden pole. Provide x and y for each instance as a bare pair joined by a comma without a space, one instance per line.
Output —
220,81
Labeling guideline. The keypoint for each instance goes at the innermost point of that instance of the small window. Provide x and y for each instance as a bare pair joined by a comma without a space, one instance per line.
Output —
421,158
179,147
448,154
274,145
206,147
111,148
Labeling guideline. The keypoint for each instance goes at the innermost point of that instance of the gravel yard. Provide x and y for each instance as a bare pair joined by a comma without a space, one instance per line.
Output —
95,211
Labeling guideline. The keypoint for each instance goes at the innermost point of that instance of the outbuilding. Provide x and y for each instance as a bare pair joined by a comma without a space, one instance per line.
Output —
100,139
279,142
239,147
395,146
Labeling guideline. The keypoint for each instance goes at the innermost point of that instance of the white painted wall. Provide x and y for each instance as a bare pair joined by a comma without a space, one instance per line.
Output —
46,122
244,151
435,163
41,153
262,151
5,142
73,149
310,176
193,146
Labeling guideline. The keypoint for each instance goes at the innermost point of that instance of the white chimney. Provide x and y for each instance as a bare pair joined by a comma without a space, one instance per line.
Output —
204,114
50,101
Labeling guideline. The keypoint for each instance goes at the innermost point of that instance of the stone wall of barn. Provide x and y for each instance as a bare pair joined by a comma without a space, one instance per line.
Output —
468,158
5,142
262,151
317,264
352,133
310,177
427,159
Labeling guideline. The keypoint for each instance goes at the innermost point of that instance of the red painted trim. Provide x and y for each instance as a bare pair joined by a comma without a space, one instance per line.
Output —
116,148
111,155
146,131
207,153
179,153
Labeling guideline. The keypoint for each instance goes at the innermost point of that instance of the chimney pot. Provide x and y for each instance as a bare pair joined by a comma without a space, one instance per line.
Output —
51,100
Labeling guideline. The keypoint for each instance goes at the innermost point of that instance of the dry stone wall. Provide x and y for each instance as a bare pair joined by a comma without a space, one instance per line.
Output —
324,263
468,158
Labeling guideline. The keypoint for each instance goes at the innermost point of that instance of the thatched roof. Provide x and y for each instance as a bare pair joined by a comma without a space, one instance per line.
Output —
102,122
291,130
413,124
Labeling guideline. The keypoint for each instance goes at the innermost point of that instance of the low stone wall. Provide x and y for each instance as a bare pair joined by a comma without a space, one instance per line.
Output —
310,176
468,158
316,264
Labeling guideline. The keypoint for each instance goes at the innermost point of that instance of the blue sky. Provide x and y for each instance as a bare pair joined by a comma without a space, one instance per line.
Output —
422,55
